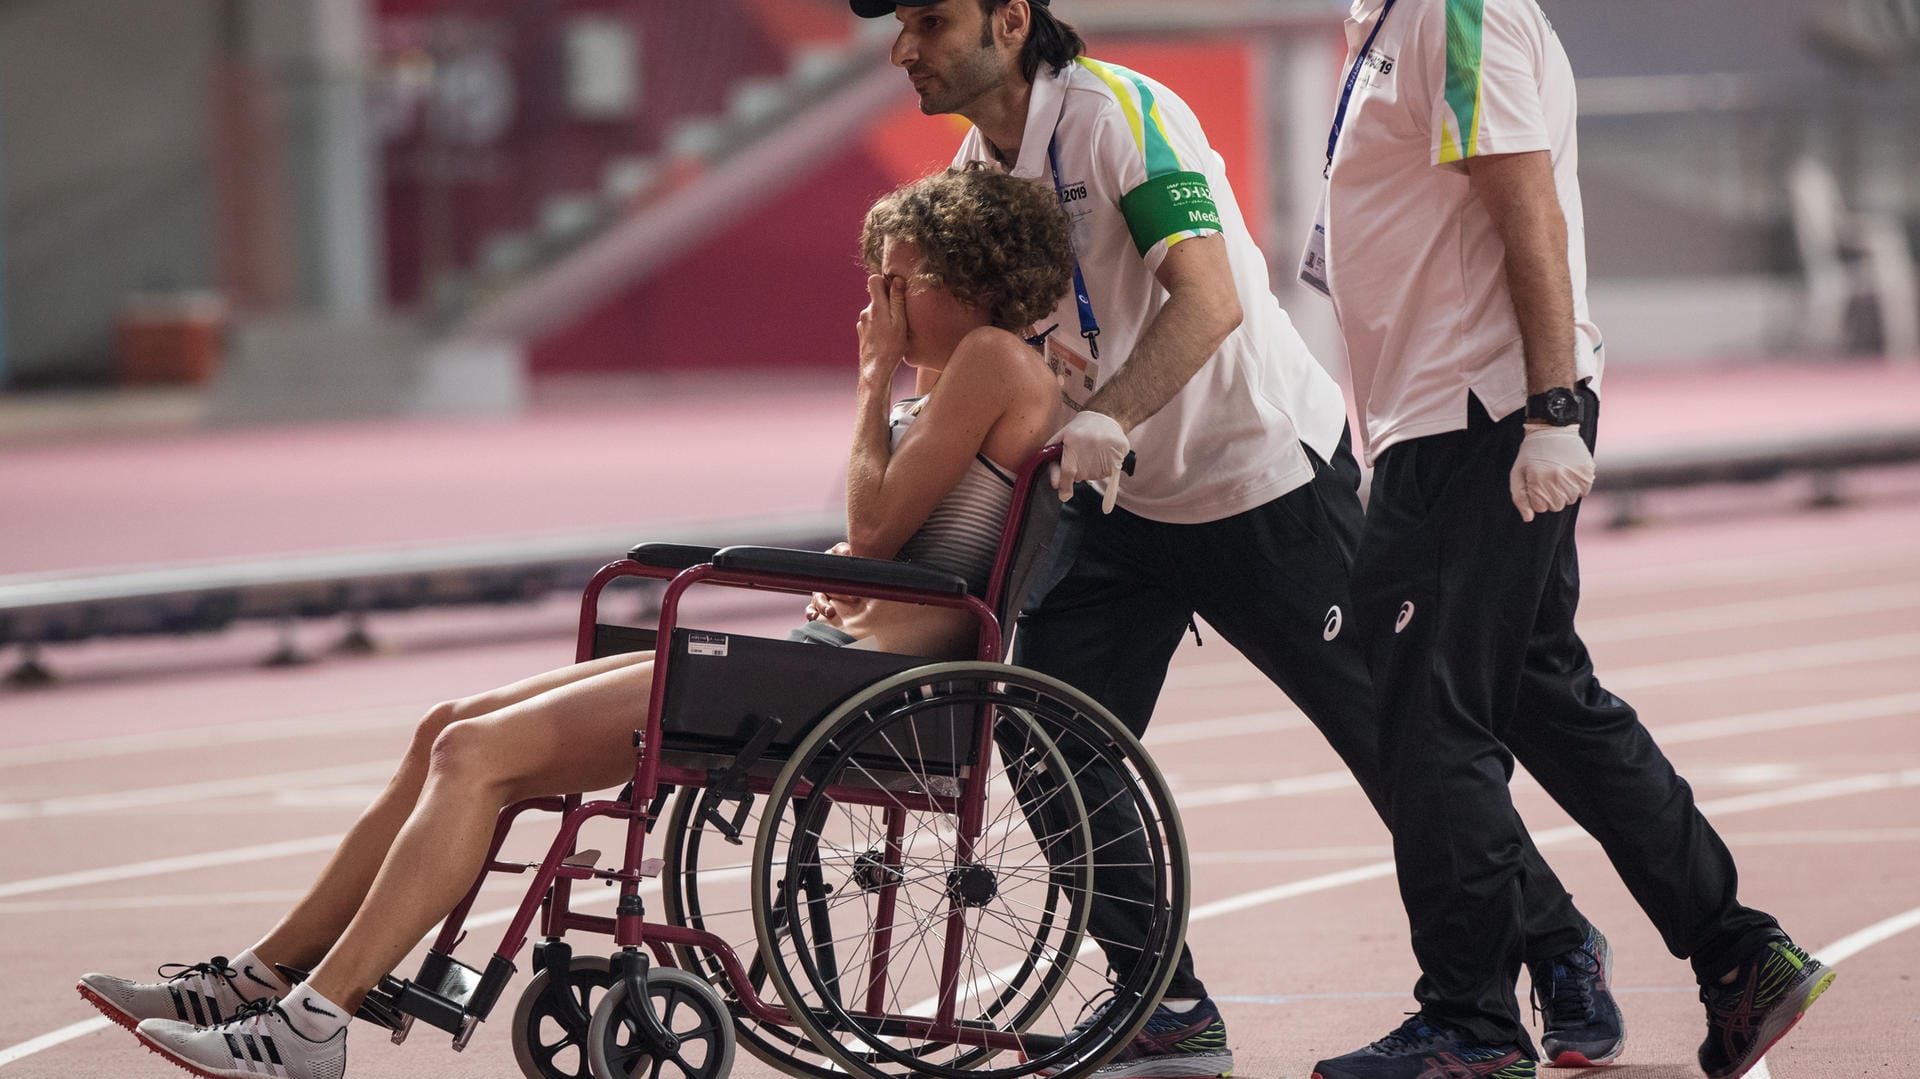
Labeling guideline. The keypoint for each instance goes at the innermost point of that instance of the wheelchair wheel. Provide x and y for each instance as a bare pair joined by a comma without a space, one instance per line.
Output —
885,893
689,1009
704,889
547,1043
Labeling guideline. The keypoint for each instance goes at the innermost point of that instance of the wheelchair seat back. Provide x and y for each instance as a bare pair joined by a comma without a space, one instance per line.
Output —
1026,542
722,687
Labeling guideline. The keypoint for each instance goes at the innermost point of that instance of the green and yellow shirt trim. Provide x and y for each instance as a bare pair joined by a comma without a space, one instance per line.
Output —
1173,203
1465,19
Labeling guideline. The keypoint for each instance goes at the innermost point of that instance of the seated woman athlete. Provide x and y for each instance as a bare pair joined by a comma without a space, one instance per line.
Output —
960,264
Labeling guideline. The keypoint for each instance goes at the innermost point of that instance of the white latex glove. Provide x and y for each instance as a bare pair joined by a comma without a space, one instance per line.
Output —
1092,448
1553,470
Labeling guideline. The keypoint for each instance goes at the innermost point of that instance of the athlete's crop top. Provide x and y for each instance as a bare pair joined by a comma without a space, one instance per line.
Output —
962,534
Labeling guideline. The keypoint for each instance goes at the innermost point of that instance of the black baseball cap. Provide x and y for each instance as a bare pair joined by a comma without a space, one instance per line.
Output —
873,9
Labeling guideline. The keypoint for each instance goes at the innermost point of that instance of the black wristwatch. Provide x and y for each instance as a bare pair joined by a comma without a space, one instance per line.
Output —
1557,407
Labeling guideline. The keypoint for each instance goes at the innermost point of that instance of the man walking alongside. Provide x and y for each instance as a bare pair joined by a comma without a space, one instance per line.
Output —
1243,507
1450,242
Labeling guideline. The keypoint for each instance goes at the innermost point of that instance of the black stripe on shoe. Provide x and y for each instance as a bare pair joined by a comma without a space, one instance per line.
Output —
199,1016
273,1052
233,1046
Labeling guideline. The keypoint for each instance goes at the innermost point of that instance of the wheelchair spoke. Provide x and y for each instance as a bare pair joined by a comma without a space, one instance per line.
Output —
1000,939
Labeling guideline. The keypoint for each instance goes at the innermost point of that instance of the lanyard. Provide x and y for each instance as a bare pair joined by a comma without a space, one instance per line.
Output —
1346,95
1089,326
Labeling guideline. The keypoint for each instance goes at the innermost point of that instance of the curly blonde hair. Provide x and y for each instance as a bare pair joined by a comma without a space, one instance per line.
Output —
995,241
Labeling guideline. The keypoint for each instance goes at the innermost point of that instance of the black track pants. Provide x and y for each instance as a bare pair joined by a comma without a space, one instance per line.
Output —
1274,582
1469,618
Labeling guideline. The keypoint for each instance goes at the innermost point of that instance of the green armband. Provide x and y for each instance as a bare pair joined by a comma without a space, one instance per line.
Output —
1169,205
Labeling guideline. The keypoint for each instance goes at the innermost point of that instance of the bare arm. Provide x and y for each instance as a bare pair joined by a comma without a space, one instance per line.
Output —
891,490
1202,308
1518,192
1553,468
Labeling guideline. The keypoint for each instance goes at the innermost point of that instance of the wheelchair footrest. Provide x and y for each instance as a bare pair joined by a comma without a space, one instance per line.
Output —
445,994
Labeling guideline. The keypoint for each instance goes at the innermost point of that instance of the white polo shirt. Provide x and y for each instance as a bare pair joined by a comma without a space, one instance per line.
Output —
1136,176
1413,263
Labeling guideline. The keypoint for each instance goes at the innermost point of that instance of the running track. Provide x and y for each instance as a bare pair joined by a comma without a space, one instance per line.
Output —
164,802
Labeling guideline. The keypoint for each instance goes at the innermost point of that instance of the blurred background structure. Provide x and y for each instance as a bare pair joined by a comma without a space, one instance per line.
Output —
348,207
340,326
261,223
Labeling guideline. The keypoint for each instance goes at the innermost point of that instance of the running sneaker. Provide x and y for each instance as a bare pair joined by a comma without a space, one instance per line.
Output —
258,1043
1768,995
1173,1045
198,993
1423,1049
1581,1026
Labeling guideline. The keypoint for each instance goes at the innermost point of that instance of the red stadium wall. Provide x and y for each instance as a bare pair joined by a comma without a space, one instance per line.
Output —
457,174
780,288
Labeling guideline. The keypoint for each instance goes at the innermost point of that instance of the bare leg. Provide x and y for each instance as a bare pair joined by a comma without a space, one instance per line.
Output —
574,737
317,920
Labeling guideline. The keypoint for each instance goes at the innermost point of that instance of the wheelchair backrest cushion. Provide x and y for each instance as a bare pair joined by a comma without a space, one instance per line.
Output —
1034,521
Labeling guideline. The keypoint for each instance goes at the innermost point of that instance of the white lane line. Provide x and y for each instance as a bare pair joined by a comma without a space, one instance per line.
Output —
1849,946
1237,671
1552,836
1317,783
1829,837
1750,613
1800,657
1653,624
1171,734
1702,730
1225,727
1547,838
1813,715
68,904
150,797
1814,792
1895,704
1854,943
147,902
184,863
52,1038
1893,561
317,725
1222,907
479,921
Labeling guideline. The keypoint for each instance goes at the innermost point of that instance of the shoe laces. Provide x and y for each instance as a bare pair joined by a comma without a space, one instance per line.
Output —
1412,1034
213,968
1094,1009
253,1013
1569,990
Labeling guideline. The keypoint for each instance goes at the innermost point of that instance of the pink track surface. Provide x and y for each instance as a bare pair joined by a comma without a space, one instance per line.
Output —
676,456
1771,650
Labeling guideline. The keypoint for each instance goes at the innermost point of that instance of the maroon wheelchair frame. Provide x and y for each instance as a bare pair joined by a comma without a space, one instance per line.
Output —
550,893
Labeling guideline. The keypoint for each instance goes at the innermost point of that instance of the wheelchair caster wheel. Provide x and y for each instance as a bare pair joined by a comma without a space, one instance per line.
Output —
692,1013
547,1043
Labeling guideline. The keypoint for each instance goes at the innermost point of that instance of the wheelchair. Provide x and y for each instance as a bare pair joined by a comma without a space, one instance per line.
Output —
904,852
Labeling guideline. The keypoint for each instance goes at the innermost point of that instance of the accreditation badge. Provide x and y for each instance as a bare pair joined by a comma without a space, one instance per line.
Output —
1313,261
1076,373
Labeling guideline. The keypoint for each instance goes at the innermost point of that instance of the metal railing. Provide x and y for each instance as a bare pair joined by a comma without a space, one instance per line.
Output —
41,609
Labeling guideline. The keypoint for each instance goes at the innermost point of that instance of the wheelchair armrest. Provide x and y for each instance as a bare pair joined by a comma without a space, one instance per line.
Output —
840,569
671,555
